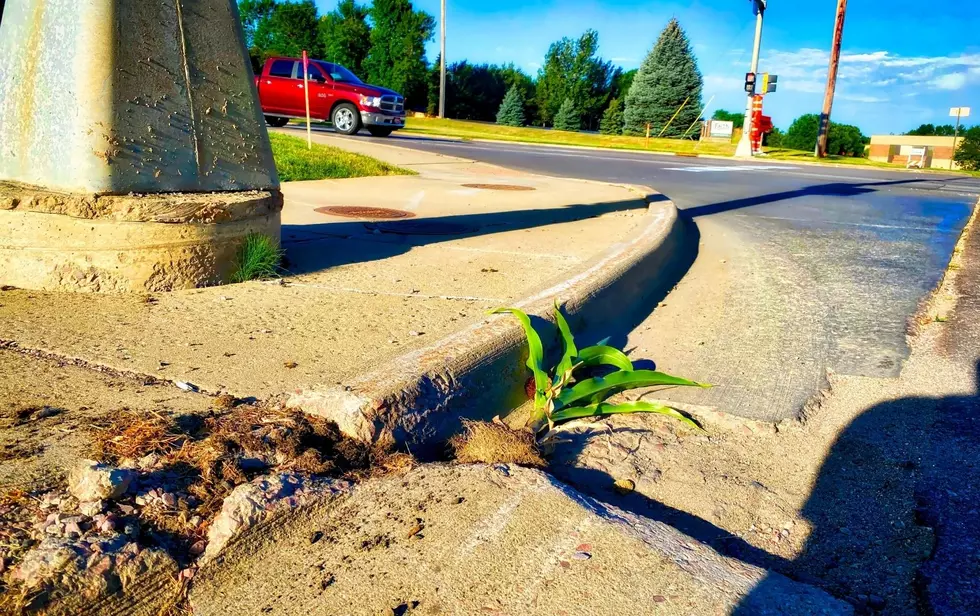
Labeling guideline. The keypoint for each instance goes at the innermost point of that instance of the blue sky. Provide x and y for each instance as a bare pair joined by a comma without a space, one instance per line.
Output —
904,62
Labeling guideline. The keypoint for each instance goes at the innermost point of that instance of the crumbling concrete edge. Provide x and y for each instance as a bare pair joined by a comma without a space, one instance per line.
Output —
419,398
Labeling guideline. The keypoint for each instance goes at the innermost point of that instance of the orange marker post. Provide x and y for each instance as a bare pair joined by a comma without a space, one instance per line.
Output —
306,95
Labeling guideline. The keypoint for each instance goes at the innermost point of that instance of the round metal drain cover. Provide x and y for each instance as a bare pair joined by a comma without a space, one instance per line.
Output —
374,213
425,227
498,186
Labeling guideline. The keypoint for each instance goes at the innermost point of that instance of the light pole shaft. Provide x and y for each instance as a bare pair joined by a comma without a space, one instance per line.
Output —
442,64
744,147
820,150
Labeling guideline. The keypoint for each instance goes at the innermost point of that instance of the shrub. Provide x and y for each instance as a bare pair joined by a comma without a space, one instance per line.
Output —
968,151
258,257
843,139
561,394
511,112
612,119
568,117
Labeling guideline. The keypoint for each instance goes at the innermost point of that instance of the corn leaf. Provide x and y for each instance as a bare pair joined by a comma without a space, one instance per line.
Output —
569,343
535,356
601,355
602,409
618,381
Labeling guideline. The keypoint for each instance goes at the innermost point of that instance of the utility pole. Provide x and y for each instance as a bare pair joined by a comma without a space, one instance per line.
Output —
828,98
744,148
442,64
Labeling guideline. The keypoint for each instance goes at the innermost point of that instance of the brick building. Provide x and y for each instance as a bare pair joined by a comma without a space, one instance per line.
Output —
898,148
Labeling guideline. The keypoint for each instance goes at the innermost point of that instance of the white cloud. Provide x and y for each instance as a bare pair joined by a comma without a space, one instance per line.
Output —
533,65
623,60
861,98
951,81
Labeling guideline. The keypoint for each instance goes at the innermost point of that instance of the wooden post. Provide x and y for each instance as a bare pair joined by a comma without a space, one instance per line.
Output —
820,151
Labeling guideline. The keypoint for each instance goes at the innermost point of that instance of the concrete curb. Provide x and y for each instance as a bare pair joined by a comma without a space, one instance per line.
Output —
418,399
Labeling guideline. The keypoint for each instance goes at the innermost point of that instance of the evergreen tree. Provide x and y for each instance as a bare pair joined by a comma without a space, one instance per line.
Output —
345,36
396,58
612,119
667,77
432,94
568,117
511,112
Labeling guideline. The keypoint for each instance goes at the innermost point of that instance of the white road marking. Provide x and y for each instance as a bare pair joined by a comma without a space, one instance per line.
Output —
416,200
727,168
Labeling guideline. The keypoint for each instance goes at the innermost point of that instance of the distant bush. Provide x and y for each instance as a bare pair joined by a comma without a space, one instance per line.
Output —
968,152
568,117
843,139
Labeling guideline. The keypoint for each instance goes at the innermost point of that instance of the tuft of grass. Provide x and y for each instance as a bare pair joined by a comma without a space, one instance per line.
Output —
258,257
527,134
296,162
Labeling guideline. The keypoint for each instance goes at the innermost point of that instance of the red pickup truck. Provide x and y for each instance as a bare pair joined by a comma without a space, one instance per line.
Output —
336,96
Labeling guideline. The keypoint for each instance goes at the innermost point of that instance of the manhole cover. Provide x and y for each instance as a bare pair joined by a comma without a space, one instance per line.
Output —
425,227
498,186
353,211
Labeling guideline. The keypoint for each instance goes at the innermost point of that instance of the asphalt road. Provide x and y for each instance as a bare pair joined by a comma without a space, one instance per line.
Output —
802,269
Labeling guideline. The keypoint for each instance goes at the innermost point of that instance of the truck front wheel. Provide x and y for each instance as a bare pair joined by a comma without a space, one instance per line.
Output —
379,131
346,119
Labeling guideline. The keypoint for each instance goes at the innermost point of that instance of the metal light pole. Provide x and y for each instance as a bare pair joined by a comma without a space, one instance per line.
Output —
744,148
442,64
820,151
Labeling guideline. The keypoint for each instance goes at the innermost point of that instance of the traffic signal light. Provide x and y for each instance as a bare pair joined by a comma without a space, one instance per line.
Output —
750,83
769,83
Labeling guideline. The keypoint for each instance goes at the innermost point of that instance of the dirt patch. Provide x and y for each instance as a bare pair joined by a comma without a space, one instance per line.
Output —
491,443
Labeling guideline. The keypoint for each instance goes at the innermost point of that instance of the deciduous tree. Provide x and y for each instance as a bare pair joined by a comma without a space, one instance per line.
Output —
396,58
345,36
738,119
572,70
667,78
968,151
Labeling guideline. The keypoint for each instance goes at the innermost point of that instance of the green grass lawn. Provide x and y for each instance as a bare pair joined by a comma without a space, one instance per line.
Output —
295,162
484,130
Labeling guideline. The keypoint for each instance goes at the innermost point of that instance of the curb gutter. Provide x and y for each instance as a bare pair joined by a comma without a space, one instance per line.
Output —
419,399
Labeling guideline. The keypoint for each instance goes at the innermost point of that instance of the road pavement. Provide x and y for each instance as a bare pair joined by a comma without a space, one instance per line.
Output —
802,269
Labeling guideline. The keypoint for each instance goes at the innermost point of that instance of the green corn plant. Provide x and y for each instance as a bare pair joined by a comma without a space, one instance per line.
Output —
560,396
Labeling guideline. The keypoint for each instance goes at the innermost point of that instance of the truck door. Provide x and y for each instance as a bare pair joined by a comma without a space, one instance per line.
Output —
279,91
321,92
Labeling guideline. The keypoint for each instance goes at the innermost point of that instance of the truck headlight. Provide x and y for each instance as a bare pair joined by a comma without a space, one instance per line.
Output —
371,101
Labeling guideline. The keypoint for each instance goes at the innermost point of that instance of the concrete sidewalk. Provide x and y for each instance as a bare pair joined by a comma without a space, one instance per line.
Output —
359,291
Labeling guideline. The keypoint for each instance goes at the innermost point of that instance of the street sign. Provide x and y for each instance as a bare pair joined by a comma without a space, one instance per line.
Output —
959,112
720,128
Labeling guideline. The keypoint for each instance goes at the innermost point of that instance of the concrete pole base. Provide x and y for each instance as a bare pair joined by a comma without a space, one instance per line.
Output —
136,243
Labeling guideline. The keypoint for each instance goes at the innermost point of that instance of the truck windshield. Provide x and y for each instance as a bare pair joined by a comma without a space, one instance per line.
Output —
338,72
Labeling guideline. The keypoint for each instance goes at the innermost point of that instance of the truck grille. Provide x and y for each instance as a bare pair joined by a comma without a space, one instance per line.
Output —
392,103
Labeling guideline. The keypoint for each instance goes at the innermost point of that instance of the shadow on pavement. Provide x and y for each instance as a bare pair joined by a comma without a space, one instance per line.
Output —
895,511
900,469
315,247
836,189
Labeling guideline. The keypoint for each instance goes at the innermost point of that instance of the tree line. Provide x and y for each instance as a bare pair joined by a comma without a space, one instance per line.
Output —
384,43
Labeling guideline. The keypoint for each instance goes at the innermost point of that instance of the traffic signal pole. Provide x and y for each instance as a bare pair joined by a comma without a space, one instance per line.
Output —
828,98
744,148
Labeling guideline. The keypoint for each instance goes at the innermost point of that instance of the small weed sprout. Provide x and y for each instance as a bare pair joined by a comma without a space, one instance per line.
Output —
258,257
560,396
